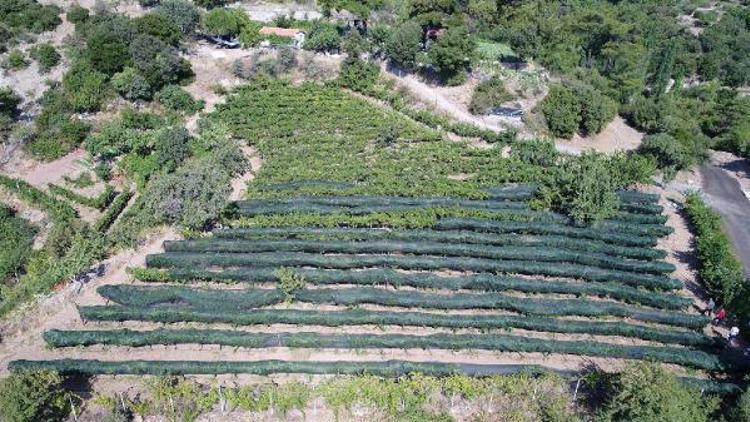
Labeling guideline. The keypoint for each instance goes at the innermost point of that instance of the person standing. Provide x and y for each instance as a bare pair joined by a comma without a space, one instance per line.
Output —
733,333
709,307
721,314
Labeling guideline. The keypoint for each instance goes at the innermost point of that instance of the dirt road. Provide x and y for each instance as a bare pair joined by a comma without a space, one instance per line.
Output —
725,195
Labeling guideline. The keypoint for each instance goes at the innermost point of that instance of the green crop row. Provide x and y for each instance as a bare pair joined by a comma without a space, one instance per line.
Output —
544,228
115,209
266,367
642,208
519,192
307,340
482,282
627,217
99,202
637,197
544,254
293,186
59,211
290,208
338,233
383,318
299,259
356,201
246,299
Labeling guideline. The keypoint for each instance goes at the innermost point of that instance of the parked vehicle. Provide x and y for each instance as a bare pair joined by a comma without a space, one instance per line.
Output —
507,112
222,41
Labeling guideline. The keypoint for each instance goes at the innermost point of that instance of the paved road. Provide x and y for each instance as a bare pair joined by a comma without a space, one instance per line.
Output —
725,196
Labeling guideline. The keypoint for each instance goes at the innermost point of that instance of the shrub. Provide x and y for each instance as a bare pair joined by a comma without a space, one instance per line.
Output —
77,14
488,95
158,62
33,396
210,4
647,392
250,34
15,60
9,102
646,114
669,153
160,26
85,88
538,152
323,38
561,109
46,55
171,147
148,3
182,12
289,282
131,85
357,74
584,188
175,98
106,51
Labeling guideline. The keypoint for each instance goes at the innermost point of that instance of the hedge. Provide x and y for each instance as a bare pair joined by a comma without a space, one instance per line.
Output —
348,318
375,201
500,343
441,236
482,282
544,254
59,211
720,270
180,297
292,208
543,228
299,259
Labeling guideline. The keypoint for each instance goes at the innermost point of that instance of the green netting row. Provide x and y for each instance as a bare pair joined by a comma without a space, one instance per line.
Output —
515,192
374,200
245,299
483,282
637,197
543,228
545,254
638,229
500,343
642,208
341,262
627,217
553,241
402,319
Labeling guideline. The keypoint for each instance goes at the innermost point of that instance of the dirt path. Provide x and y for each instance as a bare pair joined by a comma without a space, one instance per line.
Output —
41,173
239,185
430,96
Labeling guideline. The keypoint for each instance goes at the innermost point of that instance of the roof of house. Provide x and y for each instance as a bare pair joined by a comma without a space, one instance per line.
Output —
281,32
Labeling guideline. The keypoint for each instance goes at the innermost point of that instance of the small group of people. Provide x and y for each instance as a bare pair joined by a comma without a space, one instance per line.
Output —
720,315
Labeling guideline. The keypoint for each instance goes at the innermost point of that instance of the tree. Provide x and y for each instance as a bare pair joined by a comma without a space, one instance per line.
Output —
586,188
160,26
404,43
85,88
669,153
183,13
131,84
646,392
646,114
323,38
223,22
171,147
597,110
33,396
158,62
561,109
452,53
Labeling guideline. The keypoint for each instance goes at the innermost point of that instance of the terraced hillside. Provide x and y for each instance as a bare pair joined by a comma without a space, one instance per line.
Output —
515,287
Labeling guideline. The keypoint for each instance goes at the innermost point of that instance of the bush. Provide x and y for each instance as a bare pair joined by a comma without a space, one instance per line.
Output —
250,34
158,62
46,55
15,60
647,392
358,75
148,3
210,4
9,102
77,14
646,114
669,153
323,38
488,95
289,282
33,396
85,88
131,85
175,98
160,26
171,147
106,51
535,152
561,109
